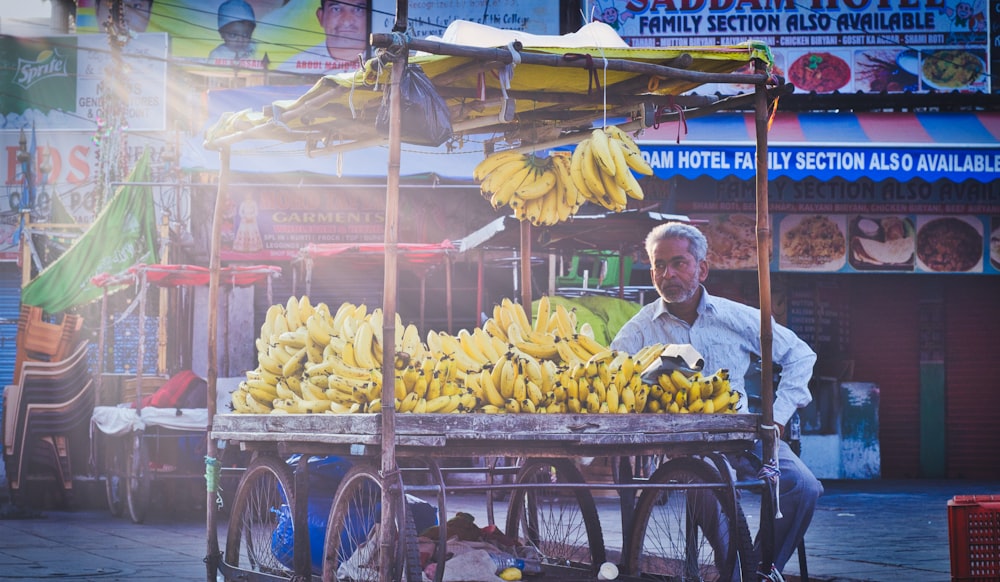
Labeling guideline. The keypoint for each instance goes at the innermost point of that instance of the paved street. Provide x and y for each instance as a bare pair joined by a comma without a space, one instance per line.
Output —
863,530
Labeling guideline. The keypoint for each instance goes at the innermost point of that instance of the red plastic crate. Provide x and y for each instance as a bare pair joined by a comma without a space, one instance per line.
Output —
974,537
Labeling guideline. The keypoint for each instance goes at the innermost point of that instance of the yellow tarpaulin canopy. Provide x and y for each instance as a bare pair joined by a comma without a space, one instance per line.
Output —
554,90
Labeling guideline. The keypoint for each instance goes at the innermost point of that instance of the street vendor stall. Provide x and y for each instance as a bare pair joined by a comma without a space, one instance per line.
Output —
535,96
155,436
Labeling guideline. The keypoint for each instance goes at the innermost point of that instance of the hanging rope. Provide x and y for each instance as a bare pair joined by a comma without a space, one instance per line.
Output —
770,470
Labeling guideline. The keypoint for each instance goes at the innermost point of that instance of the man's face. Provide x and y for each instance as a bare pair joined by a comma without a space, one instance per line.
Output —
345,26
135,13
676,274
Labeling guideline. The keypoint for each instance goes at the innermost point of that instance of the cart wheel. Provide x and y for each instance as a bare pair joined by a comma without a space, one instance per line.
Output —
263,505
686,534
352,533
562,524
138,479
114,476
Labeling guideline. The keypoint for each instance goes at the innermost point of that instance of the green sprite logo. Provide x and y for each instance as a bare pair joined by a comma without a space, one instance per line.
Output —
48,64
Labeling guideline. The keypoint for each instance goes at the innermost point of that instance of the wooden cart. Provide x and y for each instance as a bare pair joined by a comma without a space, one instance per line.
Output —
549,505
646,86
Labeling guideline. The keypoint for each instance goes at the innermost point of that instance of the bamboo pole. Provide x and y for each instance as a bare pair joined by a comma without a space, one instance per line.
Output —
764,277
526,266
390,493
212,551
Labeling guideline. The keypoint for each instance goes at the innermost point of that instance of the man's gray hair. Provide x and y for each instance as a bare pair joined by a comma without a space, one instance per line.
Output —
697,243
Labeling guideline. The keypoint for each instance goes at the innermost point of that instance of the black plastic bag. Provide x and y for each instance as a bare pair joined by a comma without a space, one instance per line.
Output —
424,115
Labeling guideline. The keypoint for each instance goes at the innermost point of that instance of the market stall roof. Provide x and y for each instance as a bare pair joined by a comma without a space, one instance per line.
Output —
554,89
610,231
187,275
414,254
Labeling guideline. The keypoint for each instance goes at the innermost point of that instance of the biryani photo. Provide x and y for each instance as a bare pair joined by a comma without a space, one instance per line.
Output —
732,240
950,244
820,72
952,69
813,242
882,243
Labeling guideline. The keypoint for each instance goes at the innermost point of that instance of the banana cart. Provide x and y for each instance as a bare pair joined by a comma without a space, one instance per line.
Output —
144,439
542,96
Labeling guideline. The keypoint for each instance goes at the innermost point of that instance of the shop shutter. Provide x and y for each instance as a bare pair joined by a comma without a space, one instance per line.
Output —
10,305
885,347
972,333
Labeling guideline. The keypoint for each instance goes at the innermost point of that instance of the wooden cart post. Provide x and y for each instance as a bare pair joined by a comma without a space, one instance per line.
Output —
212,450
768,435
390,493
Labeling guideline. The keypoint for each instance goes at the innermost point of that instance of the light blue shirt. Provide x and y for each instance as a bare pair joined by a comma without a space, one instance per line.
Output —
726,333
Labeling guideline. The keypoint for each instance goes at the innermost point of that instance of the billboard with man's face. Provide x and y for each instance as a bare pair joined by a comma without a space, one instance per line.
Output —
311,37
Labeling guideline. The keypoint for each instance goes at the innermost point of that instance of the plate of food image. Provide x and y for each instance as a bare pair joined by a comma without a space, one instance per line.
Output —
880,243
949,70
950,244
812,242
821,72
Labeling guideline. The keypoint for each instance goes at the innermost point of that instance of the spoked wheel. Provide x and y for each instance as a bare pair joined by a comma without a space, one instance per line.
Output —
263,503
686,534
351,548
561,523
114,475
138,479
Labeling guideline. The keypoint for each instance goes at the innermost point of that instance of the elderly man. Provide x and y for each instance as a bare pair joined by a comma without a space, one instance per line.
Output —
727,334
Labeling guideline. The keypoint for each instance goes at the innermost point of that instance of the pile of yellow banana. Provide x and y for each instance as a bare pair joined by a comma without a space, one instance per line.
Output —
677,393
312,361
546,191
601,168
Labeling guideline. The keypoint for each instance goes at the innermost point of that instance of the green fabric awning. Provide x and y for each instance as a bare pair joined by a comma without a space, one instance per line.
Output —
123,234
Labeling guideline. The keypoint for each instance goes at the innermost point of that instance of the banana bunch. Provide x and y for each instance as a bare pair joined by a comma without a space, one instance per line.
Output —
677,393
601,168
310,360
537,189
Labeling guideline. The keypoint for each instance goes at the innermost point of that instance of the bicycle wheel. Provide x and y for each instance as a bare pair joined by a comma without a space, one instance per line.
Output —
351,547
138,479
685,534
114,475
561,523
263,506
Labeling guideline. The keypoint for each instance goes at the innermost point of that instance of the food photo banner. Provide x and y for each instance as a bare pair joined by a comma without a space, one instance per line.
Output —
858,242
868,45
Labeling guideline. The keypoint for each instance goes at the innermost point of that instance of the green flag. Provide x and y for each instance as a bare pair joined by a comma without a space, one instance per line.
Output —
123,235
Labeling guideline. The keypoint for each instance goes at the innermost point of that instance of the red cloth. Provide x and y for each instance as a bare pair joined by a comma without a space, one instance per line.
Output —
172,392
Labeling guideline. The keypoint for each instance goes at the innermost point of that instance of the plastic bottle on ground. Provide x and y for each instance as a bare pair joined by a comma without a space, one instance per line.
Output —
525,565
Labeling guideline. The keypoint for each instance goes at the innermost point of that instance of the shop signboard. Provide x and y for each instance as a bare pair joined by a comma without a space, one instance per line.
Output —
68,192
309,37
871,46
60,82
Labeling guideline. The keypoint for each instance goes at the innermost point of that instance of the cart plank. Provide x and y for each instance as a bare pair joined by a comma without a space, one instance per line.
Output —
548,433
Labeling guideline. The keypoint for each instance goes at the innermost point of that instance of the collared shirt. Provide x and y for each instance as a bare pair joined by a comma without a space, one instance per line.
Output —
726,333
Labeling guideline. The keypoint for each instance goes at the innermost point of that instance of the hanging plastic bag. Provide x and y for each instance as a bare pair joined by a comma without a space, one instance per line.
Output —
424,115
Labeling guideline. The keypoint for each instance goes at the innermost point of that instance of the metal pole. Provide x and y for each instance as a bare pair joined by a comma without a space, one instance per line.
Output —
526,266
